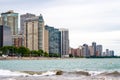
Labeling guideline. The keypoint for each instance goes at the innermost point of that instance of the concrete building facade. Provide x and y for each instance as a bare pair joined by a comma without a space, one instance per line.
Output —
22,20
64,42
99,50
35,33
76,52
91,51
18,40
10,19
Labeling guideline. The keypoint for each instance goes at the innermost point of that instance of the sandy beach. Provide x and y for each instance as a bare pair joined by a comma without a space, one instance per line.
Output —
63,78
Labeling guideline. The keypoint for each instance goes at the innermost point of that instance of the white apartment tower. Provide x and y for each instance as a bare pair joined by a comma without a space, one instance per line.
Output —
64,42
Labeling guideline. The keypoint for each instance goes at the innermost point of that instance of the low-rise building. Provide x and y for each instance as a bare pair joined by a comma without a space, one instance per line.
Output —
17,40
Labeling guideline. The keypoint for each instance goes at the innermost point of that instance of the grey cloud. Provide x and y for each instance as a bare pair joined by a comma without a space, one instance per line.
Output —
96,28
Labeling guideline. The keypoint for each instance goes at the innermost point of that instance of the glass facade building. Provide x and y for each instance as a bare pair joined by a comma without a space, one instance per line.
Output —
85,50
94,47
41,30
54,37
5,36
99,50
10,19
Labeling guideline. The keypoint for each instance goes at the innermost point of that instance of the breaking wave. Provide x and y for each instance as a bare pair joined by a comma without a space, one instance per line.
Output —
8,73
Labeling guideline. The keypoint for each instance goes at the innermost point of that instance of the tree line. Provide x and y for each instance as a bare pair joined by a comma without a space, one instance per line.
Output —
22,52
25,52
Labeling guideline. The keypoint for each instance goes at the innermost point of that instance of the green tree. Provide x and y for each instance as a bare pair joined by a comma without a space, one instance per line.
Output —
4,49
70,55
54,55
46,54
34,53
24,51
13,51
40,52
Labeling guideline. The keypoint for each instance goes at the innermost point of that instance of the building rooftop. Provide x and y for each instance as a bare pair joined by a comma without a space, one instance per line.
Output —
8,12
63,29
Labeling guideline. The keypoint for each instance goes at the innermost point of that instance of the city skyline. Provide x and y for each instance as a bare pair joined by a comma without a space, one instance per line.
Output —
87,20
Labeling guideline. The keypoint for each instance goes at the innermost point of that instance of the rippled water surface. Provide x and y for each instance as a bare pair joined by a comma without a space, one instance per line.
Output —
61,64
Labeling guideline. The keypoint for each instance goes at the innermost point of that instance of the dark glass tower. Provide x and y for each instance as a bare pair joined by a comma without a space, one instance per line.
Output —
5,36
94,47
54,40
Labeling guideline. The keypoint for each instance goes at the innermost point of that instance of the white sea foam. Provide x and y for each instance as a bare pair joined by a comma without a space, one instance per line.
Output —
7,73
49,73
9,79
93,73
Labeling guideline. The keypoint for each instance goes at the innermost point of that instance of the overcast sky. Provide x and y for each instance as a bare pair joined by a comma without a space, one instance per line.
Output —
87,20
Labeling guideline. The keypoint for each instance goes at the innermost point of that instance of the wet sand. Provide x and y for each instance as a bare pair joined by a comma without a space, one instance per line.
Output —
64,78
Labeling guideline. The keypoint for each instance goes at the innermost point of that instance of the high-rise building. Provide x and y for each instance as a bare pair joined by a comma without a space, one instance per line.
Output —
111,53
85,50
46,41
104,54
81,51
91,51
99,50
0,21
5,36
64,42
22,20
54,40
94,47
10,19
35,33
107,52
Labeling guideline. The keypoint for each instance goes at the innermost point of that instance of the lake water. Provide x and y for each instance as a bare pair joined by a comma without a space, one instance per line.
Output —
13,68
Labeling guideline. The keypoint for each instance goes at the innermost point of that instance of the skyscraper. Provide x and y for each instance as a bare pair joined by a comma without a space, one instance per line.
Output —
0,21
99,50
94,47
35,33
85,50
54,40
22,20
91,51
10,19
111,53
5,36
107,52
64,42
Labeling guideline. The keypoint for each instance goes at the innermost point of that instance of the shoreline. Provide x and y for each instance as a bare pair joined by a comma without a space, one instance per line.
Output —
44,58
28,58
